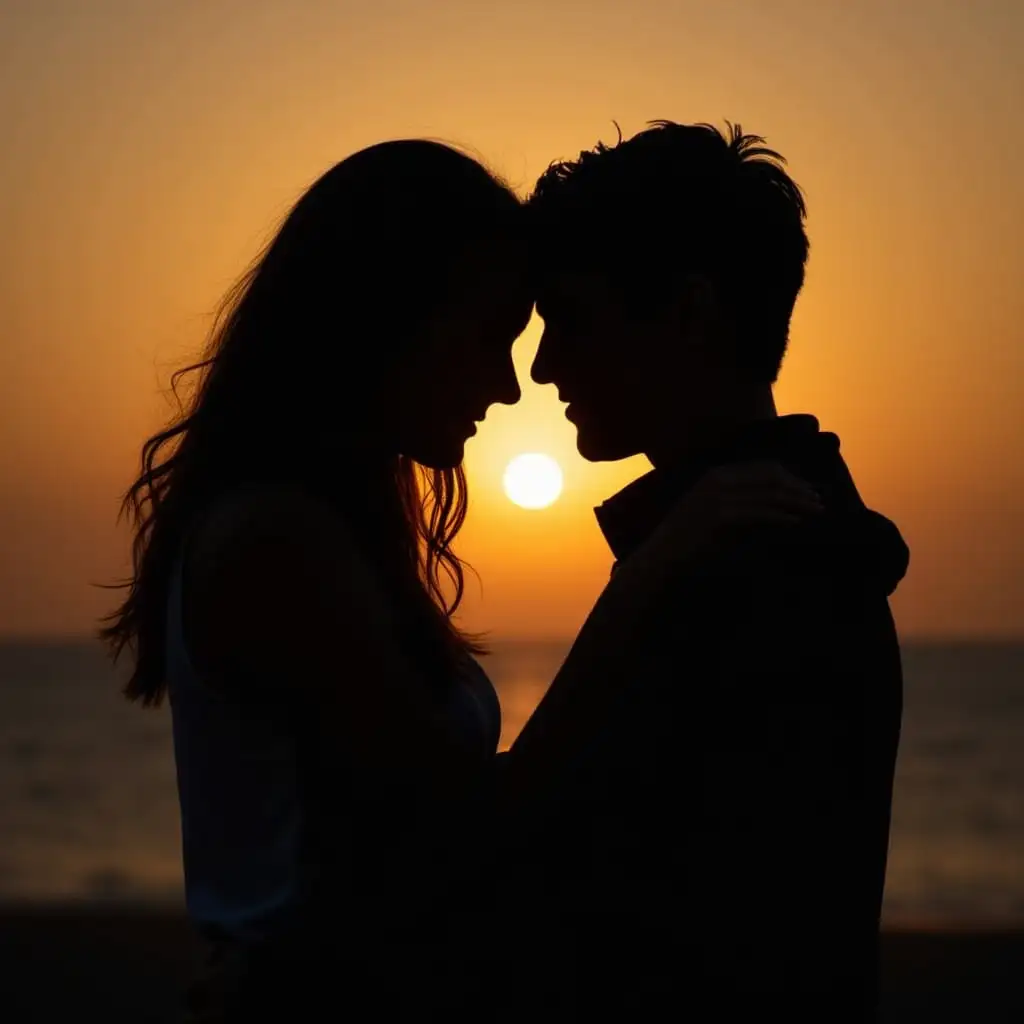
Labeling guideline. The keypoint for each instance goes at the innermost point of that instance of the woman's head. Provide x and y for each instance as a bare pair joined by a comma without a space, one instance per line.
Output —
381,317
353,358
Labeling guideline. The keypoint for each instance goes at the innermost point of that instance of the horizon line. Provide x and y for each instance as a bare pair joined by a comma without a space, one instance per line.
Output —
59,637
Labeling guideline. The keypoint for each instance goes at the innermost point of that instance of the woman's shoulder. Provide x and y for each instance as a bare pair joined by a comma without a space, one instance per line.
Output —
256,511
273,527
265,567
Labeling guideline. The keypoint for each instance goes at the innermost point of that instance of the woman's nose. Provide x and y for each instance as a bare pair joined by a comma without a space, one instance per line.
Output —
509,391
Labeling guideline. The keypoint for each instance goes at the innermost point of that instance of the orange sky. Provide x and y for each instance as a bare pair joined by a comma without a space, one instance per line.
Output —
149,147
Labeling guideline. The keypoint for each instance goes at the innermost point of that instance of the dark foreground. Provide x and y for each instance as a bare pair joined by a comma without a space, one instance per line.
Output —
85,964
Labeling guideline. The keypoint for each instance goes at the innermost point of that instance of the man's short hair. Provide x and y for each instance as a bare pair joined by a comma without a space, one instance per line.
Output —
683,199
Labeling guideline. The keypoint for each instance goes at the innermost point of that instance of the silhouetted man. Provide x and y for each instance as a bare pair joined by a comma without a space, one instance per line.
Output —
719,852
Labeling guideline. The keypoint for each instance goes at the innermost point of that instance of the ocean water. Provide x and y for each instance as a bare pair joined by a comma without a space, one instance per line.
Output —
88,807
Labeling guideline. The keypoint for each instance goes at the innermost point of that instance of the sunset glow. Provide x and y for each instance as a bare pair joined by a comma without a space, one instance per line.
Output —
150,150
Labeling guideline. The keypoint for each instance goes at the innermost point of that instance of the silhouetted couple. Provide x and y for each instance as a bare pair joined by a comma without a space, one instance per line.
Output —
694,822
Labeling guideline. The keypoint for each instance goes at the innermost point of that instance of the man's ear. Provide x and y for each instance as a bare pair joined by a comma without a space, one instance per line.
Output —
697,306
701,296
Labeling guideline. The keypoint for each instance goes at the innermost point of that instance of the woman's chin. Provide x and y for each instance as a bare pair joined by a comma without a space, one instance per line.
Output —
440,454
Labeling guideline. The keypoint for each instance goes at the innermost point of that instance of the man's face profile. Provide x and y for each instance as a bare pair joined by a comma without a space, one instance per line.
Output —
613,362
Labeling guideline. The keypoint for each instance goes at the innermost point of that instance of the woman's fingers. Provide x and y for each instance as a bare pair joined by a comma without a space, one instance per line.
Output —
758,475
762,471
760,514
771,505
801,497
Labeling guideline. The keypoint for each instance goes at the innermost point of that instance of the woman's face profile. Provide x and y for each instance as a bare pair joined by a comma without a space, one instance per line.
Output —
462,364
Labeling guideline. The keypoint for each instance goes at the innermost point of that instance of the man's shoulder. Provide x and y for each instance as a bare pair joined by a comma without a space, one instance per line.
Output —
767,599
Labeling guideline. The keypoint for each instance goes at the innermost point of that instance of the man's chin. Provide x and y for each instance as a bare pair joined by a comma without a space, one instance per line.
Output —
597,448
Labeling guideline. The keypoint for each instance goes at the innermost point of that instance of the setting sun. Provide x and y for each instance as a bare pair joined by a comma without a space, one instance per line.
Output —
533,480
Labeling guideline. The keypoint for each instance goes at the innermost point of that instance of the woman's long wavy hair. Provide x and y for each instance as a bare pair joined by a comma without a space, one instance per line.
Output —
365,257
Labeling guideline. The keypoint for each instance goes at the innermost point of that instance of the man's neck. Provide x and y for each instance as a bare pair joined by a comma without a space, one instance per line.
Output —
682,441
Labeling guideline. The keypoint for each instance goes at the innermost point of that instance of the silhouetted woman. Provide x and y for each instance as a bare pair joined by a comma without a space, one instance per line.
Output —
294,582
293,542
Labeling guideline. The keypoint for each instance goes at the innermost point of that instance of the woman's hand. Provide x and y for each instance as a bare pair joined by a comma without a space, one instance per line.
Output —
727,499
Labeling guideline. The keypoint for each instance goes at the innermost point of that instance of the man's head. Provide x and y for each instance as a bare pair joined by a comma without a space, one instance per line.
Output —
668,268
